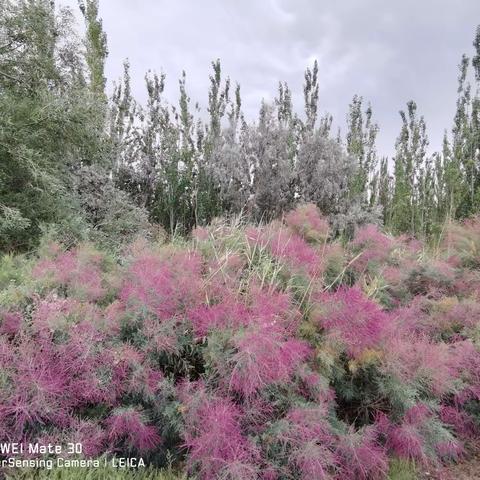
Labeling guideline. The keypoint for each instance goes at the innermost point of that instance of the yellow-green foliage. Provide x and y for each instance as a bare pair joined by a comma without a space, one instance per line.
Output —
14,279
402,470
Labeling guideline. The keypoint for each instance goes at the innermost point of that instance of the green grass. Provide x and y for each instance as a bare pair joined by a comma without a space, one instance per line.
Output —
101,473
402,470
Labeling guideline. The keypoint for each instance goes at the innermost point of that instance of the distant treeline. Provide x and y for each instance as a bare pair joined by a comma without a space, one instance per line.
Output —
77,164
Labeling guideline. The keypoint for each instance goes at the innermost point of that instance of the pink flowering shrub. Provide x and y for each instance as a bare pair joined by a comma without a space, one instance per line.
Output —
11,322
263,356
361,455
162,286
217,445
79,270
128,426
267,352
357,322
90,435
461,243
462,423
417,360
419,436
306,221
309,442
289,248
227,314
371,247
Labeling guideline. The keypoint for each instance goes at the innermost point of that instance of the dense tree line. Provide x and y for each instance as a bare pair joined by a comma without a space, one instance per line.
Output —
81,165
54,146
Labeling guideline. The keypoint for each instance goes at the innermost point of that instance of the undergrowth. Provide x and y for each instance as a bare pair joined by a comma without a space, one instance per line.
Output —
272,352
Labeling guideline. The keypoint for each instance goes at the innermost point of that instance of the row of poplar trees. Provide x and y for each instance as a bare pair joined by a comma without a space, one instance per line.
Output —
263,168
78,161
428,190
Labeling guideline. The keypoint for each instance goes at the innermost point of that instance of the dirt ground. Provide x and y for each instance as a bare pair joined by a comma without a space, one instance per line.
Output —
467,470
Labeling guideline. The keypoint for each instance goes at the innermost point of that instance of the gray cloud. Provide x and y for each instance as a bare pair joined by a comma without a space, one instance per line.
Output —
388,52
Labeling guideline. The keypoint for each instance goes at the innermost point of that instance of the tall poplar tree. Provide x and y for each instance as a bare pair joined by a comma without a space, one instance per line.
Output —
310,94
96,46
360,142
409,171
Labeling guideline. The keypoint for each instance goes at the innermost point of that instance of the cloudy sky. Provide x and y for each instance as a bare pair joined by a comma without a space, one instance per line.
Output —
388,52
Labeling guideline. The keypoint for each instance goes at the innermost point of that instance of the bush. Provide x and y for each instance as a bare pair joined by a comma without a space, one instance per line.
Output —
236,355
111,215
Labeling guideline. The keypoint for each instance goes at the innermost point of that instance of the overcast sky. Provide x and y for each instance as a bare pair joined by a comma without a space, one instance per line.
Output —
387,51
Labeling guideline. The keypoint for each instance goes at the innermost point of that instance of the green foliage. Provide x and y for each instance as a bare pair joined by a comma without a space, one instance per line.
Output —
360,140
428,191
161,160
96,45
12,270
406,214
111,216
12,224
49,120
181,170
101,473
402,470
